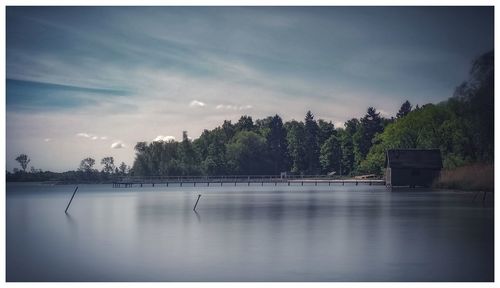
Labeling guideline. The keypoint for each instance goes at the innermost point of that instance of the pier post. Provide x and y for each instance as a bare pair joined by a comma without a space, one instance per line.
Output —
66,211
194,208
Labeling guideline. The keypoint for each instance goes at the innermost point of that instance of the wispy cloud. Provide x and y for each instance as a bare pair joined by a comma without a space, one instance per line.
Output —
233,107
91,136
46,139
196,103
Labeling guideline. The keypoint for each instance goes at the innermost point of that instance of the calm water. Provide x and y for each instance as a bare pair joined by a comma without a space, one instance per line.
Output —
337,233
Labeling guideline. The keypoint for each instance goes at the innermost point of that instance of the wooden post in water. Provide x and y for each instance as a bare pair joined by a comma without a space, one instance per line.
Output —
194,208
66,211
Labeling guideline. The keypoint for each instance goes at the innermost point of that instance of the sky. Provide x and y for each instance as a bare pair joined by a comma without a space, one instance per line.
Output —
94,81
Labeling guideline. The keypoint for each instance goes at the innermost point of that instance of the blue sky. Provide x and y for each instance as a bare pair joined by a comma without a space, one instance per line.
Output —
92,81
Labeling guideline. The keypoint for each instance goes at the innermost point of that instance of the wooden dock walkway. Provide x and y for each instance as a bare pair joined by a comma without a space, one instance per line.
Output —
207,181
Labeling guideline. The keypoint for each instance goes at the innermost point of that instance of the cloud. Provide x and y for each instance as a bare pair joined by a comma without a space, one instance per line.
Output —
117,145
196,103
91,136
46,139
233,107
85,135
161,138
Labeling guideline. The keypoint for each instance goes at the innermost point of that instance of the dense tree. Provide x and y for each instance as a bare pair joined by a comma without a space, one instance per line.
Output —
325,131
371,124
86,165
23,160
245,124
311,150
277,144
122,168
474,101
188,157
346,138
331,155
247,154
109,164
296,145
404,110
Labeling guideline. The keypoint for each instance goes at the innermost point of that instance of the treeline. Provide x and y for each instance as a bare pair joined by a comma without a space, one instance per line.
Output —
86,173
462,127
267,146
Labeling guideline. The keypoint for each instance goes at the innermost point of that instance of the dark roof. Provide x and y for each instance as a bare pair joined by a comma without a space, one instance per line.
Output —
414,158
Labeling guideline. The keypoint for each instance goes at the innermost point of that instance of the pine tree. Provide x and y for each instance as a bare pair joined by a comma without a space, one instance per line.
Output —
404,110
278,146
311,144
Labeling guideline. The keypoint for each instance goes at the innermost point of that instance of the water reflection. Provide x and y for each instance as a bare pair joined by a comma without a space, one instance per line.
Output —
338,233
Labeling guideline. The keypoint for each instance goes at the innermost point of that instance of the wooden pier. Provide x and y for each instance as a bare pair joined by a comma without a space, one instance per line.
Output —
207,181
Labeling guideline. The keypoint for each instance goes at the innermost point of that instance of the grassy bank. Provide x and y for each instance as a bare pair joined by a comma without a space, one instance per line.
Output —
478,177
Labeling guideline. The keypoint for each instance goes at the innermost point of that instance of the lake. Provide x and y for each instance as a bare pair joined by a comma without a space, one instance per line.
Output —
256,233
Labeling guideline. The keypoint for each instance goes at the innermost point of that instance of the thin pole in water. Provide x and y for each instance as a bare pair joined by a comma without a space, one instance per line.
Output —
194,208
66,211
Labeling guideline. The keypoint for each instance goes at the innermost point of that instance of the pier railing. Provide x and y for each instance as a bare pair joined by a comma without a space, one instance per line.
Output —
141,180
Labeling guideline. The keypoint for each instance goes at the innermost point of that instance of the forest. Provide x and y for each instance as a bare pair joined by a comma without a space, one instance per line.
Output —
462,127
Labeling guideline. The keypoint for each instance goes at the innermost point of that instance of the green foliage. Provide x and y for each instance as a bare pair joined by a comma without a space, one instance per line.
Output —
325,131
331,155
311,149
404,110
296,145
277,145
247,154
370,125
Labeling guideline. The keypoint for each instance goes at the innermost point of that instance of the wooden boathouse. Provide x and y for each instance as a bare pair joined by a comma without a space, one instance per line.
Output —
412,167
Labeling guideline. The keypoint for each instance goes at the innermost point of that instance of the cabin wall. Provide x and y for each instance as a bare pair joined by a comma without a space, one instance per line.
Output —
413,176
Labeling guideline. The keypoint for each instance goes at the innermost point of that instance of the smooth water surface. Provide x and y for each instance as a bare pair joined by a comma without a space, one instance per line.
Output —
283,233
